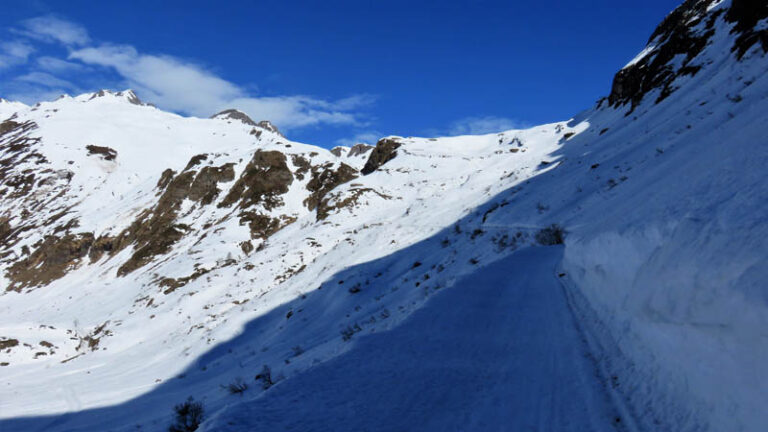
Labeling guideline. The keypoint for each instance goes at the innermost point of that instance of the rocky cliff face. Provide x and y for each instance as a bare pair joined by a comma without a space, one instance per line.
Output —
56,242
674,47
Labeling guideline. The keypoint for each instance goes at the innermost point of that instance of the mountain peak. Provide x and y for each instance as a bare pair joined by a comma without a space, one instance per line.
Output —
233,114
237,115
9,108
125,95
266,124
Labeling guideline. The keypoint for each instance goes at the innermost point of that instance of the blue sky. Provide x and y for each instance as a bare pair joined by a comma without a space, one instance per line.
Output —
332,72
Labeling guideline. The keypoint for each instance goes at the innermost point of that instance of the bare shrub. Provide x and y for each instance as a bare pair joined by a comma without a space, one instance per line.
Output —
551,235
238,386
189,415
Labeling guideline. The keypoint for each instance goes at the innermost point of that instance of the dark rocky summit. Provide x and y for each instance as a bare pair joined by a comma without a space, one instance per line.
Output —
359,149
233,114
385,151
686,31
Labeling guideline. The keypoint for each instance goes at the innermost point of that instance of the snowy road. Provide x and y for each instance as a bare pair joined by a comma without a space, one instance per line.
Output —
498,352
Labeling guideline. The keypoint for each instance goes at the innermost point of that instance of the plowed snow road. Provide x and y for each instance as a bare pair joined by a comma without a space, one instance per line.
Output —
497,352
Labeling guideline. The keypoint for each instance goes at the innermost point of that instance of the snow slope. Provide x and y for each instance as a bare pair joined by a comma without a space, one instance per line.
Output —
660,188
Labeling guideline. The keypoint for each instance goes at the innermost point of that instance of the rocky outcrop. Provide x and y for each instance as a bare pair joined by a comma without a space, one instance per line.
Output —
302,166
52,259
338,151
262,226
266,124
385,151
105,153
359,150
263,182
346,199
685,32
156,230
233,114
324,179
128,95
675,36
204,188
746,14
15,149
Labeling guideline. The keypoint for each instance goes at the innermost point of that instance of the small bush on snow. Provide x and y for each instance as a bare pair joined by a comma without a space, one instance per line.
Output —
551,235
189,415
238,386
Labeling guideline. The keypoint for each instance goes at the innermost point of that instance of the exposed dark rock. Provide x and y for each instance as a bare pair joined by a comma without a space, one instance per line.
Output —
159,244
234,114
8,343
106,153
674,36
338,151
359,149
52,259
746,14
265,124
100,93
324,179
385,151
155,230
171,284
8,126
5,229
247,247
204,188
165,178
264,180
195,160
263,226
131,97
15,149
348,201
303,166
103,244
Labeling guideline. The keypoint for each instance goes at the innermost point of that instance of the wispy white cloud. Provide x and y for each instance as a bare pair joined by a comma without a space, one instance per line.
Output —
56,65
167,81
46,80
170,82
14,53
369,137
483,125
183,86
53,29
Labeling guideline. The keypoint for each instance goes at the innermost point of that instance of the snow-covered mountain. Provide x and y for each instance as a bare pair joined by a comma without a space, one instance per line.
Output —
148,257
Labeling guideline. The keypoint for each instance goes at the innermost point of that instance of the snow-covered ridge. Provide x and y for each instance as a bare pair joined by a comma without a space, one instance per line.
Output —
9,108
